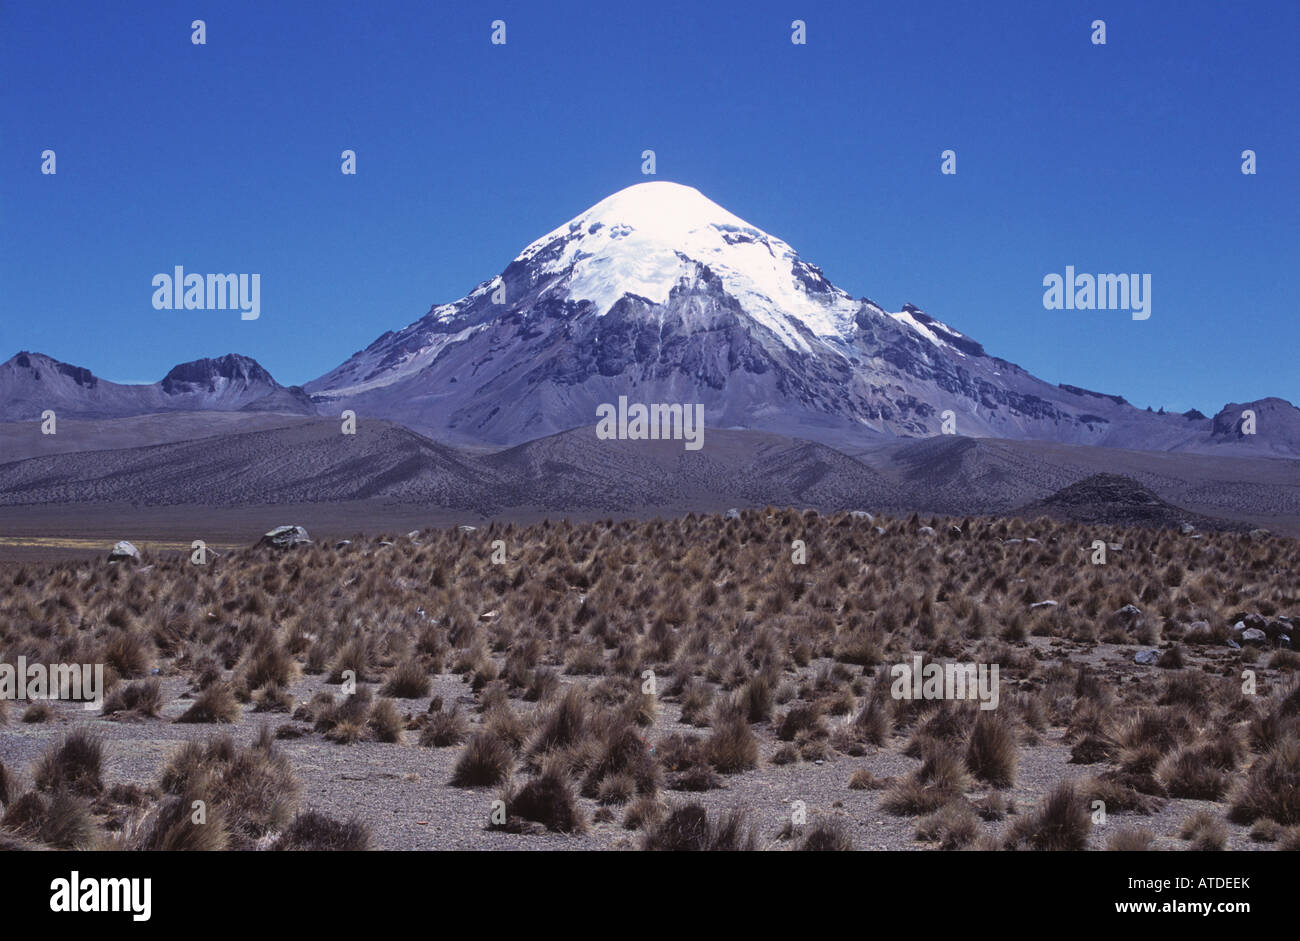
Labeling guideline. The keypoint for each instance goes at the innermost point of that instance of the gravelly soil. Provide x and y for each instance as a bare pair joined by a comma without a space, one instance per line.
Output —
401,790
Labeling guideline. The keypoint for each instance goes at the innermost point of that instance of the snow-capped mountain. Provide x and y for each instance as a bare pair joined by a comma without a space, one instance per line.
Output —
31,383
661,295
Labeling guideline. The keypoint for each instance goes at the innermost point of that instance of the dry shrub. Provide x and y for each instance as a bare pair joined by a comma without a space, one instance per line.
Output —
940,779
408,681
141,698
126,652
1131,840
616,789
76,764
1271,788
315,831
953,826
1204,831
25,814
564,725
215,704
39,711
269,663
644,812
1188,773
756,699
1059,822
548,799
273,698
622,751
486,760
443,729
801,718
827,835
991,753
732,747
385,723
864,780
253,790
689,828
171,827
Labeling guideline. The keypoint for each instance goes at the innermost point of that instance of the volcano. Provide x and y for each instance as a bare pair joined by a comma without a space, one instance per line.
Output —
659,294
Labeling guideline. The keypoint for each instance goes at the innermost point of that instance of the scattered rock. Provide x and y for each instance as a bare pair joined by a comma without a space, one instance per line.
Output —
1233,645
1253,635
286,537
862,515
1130,611
1257,621
926,530
1044,604
124,552
1186,528
732,514
1260,533
1146,657
342,543
467,529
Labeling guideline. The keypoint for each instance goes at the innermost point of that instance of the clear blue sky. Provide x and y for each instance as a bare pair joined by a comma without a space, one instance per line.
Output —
225,158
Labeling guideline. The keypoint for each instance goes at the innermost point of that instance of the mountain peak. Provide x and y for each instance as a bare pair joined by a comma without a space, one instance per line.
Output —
662,206
647,239
658,291
35,362
233,367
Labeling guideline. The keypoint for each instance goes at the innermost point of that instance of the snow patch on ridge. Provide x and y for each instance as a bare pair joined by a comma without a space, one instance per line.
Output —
927,330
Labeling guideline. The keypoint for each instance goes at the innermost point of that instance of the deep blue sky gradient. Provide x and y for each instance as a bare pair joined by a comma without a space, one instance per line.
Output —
225,158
